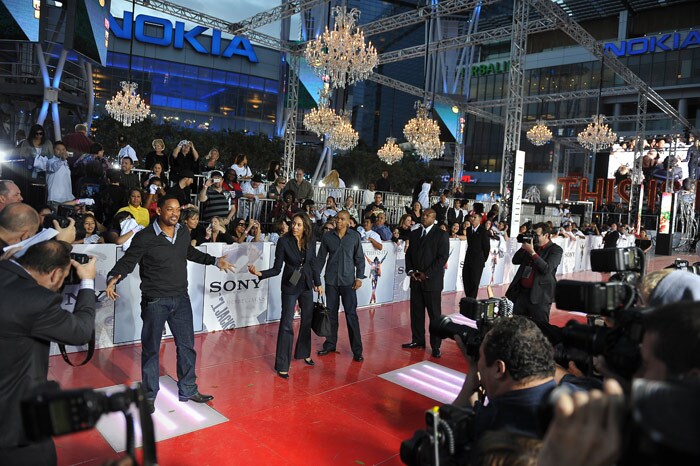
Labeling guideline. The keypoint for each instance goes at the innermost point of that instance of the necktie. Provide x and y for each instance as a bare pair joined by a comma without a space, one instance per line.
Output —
422,235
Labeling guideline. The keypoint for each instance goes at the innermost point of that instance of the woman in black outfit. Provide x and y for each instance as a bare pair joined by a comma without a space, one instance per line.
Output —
296,250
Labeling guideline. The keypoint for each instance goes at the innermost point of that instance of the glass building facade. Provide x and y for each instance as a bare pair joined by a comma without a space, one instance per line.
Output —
194,89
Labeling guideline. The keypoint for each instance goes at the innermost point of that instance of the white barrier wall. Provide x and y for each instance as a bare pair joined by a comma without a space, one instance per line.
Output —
223,301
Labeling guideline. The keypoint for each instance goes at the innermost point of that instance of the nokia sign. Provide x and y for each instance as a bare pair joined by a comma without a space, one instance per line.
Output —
661,43
177,36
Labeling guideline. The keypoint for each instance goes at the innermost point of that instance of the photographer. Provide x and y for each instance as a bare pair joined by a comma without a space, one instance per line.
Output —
26,332
515,367
532,289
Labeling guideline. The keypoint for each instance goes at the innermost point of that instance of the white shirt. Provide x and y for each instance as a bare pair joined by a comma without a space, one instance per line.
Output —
367,235
247,188
58,180
128,151
242,172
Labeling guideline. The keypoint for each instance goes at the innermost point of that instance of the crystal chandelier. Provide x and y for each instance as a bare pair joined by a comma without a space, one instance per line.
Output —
390,153
539,134
424,133
597,135
126,106
321,119
343,136
341,54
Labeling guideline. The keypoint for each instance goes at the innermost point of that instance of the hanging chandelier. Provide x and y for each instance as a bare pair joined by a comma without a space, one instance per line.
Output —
341,54
539,134
343,136
424,133
390,153
597,135
126,106
321,119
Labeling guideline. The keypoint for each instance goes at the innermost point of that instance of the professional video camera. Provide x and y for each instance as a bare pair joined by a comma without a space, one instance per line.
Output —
447,439
528,236
53,411
613,299
63,215
483,311
658,421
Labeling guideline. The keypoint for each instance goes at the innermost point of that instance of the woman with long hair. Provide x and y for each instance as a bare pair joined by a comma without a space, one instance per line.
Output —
274,171
157,171
349,206
90,233
240,166
296,251
36,149
333,180
416,211
405,224
216,232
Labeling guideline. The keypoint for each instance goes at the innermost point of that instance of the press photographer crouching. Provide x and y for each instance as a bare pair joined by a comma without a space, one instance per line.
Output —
31,318
532,288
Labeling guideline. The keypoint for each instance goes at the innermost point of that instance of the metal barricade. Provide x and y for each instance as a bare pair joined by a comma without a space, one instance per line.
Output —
258,209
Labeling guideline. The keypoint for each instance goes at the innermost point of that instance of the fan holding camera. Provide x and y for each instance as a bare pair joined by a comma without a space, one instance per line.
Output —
532,289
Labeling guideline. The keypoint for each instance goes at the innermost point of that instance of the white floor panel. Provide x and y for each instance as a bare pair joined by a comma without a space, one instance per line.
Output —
171,418
429,379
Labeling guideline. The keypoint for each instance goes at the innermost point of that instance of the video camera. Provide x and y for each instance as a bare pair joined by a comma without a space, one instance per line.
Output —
63,215
53,412
528,236
613,299
447,439
483,311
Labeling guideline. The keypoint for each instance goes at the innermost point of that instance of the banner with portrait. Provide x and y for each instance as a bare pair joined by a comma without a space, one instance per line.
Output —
380,269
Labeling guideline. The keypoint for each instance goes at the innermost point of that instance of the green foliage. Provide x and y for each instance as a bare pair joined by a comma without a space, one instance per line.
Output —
356,167
259,148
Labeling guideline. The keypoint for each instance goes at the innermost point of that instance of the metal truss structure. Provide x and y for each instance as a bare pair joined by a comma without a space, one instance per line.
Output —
559,96
635,205
514,106
608,119
483,37
290,116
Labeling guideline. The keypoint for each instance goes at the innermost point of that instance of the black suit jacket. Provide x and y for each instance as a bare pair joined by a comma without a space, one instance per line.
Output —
545,265
30,318
287,254
478,246
428,255
455,216
440,212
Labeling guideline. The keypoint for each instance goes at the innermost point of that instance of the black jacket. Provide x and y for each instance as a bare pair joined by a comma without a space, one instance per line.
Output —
162,264
287,254
30,318
478,246
545,264
428,255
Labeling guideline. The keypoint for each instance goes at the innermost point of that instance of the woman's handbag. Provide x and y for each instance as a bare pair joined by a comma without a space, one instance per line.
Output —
321,320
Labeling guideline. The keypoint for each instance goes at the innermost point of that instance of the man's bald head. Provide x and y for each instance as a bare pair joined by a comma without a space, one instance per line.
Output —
18,222
9,193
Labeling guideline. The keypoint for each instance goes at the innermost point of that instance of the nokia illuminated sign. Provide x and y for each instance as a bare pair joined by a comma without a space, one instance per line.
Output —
177,36
661,43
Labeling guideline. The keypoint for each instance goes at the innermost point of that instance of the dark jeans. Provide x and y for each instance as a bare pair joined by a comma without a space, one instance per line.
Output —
177,312
535,312
420,300
285,334
333,296
471,276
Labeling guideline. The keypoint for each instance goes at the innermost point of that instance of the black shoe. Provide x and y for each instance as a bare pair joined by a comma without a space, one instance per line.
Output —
197,398
309,361
150,406
413,344
436,352
358,358
325,351
284,375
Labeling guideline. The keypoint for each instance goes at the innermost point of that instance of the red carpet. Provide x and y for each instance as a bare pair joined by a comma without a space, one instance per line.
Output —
338,412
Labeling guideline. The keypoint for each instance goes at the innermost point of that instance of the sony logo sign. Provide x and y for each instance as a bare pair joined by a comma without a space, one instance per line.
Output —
177,36
662,43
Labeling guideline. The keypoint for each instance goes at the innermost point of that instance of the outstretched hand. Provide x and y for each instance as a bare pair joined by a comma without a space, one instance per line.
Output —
225,265
111,291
